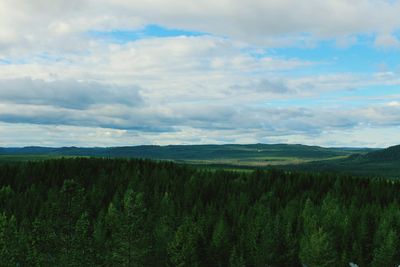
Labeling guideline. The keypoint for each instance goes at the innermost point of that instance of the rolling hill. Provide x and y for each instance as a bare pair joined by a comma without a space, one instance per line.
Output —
379,163
358,161
249,155
389,154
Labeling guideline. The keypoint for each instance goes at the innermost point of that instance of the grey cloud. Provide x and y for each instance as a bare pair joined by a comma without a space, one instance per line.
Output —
66,93
111,116
275,120
278,87
271,121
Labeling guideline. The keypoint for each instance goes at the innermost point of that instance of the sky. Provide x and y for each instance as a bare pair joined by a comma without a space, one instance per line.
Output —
120,72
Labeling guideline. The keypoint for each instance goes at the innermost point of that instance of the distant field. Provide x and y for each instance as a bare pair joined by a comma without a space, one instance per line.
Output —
256,162
238,153
365,162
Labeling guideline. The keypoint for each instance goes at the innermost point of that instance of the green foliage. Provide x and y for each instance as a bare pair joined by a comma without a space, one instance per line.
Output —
385,254
317,249
103,212
236,259
82,243
9,249
183,248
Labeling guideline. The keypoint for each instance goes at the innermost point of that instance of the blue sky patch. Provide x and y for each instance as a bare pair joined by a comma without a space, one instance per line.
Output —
362,56
150,31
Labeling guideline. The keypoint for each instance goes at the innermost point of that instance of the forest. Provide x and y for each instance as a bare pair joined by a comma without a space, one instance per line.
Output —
132,212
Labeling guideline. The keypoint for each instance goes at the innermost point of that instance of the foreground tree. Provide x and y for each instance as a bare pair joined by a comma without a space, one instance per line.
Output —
316,250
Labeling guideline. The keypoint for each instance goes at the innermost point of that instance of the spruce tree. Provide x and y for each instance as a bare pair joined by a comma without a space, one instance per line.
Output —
9,245
386,252
317,250
183,249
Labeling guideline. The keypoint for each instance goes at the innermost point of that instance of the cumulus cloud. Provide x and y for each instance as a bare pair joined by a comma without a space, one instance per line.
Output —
356,127
59,25
185,68
226,85
174,87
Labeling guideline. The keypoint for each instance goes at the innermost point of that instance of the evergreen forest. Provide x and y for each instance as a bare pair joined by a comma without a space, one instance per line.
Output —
121,212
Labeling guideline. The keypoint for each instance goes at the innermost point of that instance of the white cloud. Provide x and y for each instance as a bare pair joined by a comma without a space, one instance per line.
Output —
57,80
180,68
56,25
173,87
394,104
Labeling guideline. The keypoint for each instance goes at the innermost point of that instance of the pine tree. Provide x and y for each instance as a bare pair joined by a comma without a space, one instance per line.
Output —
236,259
183,248
9,247
138,240
316,250
100,240
45,242
164,230
82,245
385,253
113,236
220,243
70,208
130,240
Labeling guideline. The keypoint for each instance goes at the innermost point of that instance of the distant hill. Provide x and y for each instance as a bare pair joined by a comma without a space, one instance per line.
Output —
389,154
381,163
225,153
359,161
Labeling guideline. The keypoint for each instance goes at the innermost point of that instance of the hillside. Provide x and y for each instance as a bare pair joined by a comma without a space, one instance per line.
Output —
193,152
389,154
384,162
363,161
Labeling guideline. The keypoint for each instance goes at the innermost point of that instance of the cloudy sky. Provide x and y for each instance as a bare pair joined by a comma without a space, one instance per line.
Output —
128,72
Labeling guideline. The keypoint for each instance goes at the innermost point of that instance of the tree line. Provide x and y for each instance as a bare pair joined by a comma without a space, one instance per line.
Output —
110,212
